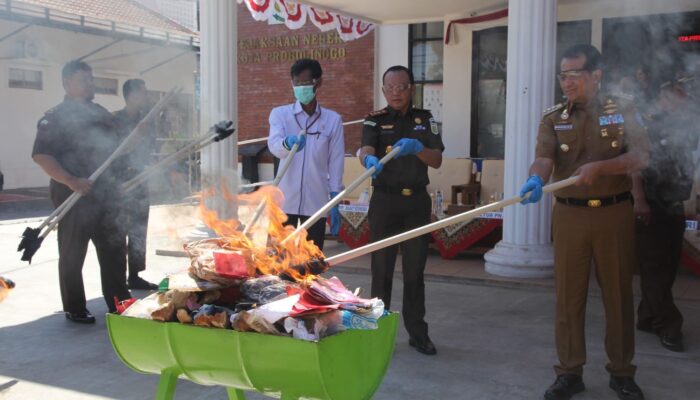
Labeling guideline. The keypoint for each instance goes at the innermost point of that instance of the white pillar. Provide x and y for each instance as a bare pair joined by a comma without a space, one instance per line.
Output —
219,97
526,250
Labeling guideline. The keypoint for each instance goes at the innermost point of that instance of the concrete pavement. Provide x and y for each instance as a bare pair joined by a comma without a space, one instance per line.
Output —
494,339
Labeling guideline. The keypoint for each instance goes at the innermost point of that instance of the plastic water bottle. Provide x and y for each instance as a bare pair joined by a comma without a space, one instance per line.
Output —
364,197
438,203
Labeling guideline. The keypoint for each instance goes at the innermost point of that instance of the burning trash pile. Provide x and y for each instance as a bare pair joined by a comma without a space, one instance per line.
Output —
257,282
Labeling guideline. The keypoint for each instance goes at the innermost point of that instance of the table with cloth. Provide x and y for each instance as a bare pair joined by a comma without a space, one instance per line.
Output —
449,241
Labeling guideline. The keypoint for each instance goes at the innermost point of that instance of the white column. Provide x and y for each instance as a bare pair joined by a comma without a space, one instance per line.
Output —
218,99
526,250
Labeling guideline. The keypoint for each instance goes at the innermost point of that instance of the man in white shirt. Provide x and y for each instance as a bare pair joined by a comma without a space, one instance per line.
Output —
316,171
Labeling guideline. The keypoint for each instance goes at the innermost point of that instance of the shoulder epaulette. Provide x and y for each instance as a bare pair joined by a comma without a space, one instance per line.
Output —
377,113
553,109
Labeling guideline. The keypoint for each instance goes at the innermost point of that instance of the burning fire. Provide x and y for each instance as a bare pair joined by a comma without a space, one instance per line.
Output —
274,258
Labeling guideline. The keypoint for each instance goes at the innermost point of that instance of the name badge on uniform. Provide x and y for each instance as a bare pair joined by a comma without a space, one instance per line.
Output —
563,127
604,120
387,129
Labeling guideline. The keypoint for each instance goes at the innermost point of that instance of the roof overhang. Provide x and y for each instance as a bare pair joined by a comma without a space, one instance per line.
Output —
386,12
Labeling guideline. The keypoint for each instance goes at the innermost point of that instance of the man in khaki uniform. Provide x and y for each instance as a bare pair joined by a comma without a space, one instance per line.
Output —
597,138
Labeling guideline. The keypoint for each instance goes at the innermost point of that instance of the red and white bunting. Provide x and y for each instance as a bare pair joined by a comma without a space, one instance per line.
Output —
260,10
295,16
323,20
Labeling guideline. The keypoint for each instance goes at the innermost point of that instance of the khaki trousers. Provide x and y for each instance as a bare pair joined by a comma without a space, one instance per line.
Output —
604,235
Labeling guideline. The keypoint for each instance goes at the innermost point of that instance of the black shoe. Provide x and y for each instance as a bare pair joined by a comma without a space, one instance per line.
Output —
424,346
564,387
81,317
138,283
626,388
672,342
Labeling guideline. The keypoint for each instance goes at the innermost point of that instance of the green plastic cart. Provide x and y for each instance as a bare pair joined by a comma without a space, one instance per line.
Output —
347,366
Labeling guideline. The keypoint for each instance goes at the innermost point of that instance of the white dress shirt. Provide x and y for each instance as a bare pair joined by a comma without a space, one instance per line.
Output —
316,170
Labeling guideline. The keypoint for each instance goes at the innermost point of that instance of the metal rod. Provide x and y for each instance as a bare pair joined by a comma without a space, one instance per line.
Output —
129,54
125,145
283,169
191,147
16,31
160,64
334,201
99,49
466,216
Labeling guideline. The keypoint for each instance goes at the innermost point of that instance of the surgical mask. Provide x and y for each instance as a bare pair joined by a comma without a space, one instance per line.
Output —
305,94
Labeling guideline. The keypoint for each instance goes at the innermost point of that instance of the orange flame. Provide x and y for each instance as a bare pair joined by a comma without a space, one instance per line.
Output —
275,258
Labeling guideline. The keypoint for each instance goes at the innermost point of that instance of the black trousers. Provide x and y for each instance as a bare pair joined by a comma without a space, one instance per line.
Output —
659,247
390,214
317,231
88,221
136,220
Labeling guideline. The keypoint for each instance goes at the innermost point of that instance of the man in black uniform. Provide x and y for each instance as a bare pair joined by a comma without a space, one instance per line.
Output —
73,139
137,202
659,192
400,201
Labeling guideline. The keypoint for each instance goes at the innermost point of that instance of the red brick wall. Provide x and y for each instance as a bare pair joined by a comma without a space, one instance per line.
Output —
264,78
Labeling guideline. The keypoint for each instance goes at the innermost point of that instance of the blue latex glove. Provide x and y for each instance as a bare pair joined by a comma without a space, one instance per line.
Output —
335,217
290,141
408,147
372,161
534,186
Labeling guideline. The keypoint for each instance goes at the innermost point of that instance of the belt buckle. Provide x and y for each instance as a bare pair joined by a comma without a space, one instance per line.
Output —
594,203
406,192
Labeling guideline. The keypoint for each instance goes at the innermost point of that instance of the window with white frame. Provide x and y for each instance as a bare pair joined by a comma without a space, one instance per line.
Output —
25,79
426,62
106,86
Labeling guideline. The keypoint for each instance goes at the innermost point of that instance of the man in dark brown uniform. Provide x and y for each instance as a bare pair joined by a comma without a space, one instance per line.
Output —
73,139
598,139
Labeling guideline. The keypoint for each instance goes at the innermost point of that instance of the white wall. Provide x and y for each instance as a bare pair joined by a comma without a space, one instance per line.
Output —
20,109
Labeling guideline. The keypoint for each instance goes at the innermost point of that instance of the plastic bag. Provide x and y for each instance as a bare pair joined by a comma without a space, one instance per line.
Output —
299,330
263,318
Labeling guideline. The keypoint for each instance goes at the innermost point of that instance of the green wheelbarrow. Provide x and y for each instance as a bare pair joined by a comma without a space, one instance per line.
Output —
349,365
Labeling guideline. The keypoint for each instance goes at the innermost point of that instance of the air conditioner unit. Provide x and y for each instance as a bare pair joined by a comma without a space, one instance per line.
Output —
28,48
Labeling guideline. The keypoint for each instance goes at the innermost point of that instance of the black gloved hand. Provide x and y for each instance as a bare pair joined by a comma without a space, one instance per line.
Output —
223,129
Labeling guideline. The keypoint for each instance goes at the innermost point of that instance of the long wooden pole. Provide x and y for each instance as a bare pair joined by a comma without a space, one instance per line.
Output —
455,219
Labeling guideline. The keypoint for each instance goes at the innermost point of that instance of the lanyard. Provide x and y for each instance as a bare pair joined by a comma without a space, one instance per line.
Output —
307,122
